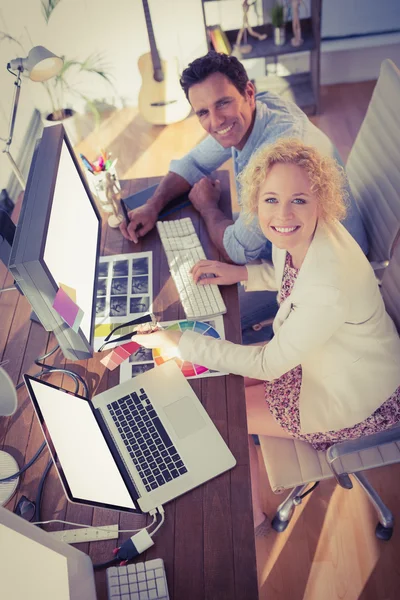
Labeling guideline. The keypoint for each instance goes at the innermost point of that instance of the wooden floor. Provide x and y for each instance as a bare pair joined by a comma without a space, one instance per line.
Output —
329,550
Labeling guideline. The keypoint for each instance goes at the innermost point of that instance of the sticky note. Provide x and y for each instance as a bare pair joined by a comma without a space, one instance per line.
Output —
69,290
67,309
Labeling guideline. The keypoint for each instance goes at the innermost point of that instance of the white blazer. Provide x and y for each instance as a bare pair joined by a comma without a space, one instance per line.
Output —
333,323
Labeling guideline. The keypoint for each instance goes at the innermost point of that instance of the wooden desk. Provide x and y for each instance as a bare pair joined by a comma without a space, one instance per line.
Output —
207,540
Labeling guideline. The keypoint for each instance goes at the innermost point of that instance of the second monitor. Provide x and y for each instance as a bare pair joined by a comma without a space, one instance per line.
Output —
57,241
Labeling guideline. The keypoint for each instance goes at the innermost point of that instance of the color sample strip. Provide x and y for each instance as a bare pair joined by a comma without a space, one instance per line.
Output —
211,331
188,369
67,309
186,325
200,327
118,355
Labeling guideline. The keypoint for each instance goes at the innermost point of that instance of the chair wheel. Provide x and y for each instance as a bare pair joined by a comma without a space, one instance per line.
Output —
383,533
279,525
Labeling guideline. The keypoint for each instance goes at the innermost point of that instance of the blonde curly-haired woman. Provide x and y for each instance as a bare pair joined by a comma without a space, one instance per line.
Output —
331,371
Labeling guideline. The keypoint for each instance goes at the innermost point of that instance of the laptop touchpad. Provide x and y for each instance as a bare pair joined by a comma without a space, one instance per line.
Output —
184,417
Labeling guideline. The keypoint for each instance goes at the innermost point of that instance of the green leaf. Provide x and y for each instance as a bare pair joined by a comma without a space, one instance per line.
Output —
47,8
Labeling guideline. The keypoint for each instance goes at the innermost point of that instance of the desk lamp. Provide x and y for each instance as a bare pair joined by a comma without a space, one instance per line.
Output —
41,65
8,464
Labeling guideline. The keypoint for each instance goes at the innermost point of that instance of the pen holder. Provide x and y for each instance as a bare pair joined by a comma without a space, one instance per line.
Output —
97,185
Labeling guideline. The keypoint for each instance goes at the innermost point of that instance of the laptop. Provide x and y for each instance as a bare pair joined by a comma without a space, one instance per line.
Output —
133,447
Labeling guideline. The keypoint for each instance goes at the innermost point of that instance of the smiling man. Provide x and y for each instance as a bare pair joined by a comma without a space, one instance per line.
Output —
238,122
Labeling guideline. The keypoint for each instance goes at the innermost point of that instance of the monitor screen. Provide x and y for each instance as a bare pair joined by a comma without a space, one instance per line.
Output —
36,565
57,241
71,242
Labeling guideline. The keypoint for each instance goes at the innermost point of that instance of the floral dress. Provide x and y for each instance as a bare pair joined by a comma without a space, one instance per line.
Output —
282,396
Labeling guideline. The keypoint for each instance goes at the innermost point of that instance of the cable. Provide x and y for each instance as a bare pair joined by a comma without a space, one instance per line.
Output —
161,511
25,467
108,563
8,289
40,490
312,488
95,526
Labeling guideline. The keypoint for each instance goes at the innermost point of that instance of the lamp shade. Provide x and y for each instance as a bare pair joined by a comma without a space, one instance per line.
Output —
8,395
41,64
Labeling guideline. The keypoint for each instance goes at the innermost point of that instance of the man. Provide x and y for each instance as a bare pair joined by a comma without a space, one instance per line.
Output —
238,122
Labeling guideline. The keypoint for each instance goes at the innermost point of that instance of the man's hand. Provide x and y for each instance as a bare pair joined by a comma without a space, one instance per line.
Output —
205,194
217,273
167,340
142,220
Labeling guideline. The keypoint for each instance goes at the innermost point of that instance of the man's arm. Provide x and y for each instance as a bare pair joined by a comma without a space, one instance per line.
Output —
204,196
143,219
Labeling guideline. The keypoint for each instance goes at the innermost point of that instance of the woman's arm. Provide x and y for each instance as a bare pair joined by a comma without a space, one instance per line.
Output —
310,324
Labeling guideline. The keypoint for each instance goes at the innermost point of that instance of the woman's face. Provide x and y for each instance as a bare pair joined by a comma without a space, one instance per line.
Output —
287,209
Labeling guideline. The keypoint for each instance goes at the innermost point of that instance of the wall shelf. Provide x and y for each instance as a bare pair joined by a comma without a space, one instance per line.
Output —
302,88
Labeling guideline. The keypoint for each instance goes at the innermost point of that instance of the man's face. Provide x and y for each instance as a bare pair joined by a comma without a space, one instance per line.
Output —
222,110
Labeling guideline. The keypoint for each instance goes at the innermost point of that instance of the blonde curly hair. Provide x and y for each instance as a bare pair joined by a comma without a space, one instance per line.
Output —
328,180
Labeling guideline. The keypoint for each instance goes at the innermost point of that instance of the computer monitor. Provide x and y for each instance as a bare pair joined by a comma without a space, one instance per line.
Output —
57,240
36,565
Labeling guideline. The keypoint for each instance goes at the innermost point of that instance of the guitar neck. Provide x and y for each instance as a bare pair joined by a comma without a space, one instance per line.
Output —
155,57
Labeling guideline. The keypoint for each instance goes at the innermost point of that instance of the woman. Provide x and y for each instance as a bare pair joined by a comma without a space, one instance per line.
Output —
331,370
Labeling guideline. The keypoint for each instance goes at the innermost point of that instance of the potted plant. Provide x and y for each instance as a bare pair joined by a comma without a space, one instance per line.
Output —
278,23
63,84
67,89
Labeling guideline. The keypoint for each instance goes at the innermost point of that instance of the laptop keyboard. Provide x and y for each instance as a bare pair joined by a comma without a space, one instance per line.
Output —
149,445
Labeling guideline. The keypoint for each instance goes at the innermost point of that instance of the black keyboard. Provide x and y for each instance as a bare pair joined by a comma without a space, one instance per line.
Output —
149,445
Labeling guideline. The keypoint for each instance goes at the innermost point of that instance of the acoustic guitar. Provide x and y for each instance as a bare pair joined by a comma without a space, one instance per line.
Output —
161,98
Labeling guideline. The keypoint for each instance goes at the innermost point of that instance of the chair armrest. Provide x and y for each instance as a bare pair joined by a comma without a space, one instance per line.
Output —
337,451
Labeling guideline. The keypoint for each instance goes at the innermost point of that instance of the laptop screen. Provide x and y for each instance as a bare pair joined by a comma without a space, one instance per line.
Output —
85,464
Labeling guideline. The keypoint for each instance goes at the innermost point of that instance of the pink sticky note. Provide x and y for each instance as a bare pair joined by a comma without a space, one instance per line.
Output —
66,307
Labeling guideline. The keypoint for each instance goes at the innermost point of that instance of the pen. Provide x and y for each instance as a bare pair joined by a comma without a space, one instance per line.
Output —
125,211
87,163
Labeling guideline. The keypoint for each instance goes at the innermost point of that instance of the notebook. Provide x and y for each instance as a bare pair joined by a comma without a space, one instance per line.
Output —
140,198
133,447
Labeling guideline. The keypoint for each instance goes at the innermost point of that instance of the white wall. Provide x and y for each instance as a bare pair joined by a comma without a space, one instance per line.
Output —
80,28
116,29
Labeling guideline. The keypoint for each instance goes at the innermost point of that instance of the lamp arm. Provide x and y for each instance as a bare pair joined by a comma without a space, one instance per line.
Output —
8,141
14,108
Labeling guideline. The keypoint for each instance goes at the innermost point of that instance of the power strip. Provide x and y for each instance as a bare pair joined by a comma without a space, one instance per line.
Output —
86,534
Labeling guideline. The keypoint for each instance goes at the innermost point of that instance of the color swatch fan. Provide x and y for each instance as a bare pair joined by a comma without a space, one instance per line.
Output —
188,369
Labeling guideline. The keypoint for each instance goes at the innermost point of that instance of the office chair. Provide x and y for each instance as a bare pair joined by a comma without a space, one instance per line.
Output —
373,169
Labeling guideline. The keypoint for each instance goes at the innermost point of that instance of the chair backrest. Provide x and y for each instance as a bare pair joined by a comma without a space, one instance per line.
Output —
373,166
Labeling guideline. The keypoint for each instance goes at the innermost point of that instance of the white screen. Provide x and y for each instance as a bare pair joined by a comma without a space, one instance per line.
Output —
71,242
39,572
85,458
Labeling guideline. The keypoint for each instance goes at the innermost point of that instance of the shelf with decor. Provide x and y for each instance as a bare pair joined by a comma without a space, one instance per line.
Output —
302,88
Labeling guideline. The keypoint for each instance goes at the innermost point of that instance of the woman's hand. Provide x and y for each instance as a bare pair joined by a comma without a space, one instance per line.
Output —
218,273
167,340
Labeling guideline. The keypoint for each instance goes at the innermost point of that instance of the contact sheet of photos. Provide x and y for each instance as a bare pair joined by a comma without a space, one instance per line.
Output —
142,360
124,287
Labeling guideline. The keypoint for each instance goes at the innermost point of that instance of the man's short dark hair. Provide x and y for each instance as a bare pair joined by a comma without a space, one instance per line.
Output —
214,62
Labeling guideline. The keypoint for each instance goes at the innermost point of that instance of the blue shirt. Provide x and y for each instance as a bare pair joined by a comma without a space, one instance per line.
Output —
275,118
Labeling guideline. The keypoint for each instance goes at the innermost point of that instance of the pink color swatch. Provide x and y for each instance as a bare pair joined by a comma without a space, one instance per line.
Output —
118,355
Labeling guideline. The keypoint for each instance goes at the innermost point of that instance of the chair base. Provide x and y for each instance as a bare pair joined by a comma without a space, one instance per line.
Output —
286,509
